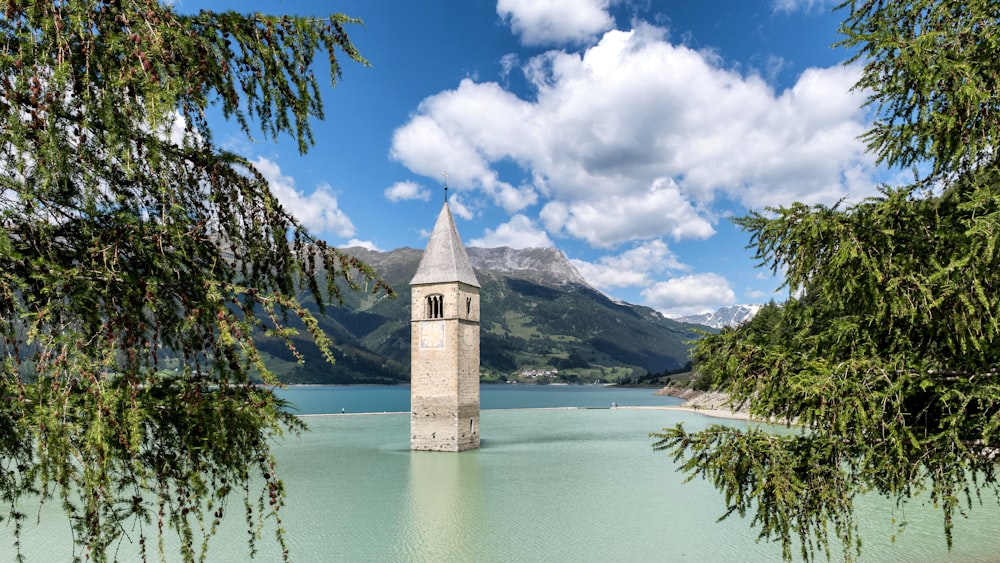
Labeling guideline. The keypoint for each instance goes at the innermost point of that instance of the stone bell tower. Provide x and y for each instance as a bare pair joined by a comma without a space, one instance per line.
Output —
444,345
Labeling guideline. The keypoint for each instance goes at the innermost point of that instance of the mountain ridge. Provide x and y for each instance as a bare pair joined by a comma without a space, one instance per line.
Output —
537,314
728,316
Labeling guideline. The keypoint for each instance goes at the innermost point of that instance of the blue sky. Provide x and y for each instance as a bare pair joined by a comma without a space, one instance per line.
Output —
623,132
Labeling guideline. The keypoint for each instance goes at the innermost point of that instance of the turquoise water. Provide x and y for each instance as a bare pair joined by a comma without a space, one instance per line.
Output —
560,484
326,399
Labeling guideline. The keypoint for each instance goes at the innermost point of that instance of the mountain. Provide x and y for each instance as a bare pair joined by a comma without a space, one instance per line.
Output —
730,316
544,266
538,316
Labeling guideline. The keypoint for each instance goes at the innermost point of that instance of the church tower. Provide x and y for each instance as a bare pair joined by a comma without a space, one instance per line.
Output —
444,345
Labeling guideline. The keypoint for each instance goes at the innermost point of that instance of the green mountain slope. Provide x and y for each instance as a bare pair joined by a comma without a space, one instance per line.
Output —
538,316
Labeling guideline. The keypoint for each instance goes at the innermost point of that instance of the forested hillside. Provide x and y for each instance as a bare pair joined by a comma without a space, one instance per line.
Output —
540,322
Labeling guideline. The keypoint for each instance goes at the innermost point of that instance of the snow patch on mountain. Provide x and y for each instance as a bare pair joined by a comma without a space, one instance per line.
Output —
731,316
548,265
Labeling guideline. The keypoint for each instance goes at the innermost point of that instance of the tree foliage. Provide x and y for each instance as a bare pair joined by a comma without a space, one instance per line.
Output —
887,360
131,244
931,67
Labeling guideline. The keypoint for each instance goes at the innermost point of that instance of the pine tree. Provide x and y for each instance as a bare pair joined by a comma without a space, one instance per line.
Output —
138,260
887,361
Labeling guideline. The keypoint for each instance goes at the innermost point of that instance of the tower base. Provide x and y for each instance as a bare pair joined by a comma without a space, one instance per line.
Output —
444,431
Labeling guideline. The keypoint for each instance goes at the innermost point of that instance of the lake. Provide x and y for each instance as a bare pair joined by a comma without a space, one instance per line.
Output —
552,482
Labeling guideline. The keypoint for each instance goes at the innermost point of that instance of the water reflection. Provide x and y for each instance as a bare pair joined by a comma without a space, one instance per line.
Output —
444,506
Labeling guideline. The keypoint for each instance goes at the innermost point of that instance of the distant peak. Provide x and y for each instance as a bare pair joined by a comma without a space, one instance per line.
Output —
545,265
730,315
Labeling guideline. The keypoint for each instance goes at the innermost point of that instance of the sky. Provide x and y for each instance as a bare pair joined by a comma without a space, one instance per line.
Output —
625,133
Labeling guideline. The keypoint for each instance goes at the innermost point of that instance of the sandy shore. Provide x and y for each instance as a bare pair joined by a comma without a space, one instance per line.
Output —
709,403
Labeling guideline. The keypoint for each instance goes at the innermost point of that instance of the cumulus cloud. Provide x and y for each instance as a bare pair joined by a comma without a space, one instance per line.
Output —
407,190
425,146
689,295
633,141
519,232
317,211
606,222
555,22
635,267
636,138
459,208
362,243
510,198
463,132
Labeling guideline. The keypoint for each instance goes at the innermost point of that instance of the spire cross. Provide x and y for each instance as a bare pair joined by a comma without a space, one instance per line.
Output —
446,186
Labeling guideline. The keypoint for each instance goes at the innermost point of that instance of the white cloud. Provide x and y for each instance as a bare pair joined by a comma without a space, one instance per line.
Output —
519,232
317,211
507,63
689,295
808,6
362,243
175,130
555,22
459,208
636,139
462,132
510,198
606,222
633,268
407,190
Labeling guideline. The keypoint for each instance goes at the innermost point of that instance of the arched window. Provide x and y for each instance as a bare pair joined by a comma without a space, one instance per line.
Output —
435,306
468,306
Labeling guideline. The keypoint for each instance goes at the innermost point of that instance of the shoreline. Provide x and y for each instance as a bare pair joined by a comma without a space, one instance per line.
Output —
713,404
709,412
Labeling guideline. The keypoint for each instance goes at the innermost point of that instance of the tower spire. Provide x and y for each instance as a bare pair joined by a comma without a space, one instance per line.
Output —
445,258
444,343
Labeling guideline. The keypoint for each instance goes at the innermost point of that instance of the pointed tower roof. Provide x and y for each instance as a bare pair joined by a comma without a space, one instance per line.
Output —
445,259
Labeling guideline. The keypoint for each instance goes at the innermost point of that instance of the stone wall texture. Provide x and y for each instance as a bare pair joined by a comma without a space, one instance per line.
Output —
444,396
